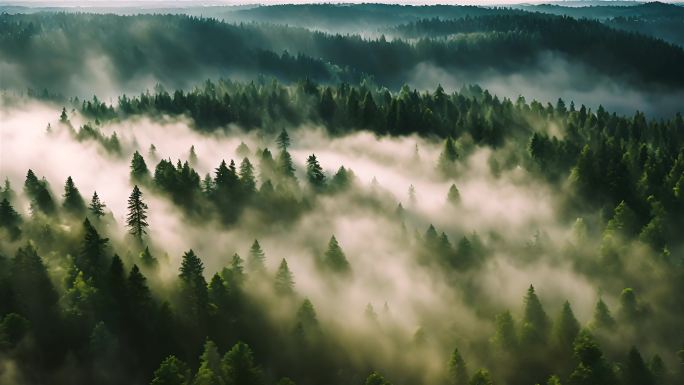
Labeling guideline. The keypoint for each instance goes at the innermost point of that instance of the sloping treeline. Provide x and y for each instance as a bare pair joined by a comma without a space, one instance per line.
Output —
177,50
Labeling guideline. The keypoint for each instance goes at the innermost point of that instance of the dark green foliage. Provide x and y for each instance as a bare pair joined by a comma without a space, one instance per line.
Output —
239,366
314,173
39,194
505,335
376,379
172,371
73,201
635,370
535,323
458,373
334,258
139,171
136,220
593,367
255,262
96,206
448,157
92,259
481,377
602,317
9,218
194,295
566,328
284,281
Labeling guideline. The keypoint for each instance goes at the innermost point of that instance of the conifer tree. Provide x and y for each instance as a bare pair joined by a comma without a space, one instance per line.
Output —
91,259
137,214
9,218
193,287
376,379
283,140
454,196
602,317
448,157
192,156
73,201
334,257
247,177
314,172
96,206
255,262
139,171
239,366
284,280
535,321
172,371
458,373
286,165
566,328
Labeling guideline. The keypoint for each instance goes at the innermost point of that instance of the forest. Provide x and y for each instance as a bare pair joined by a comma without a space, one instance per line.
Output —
237,200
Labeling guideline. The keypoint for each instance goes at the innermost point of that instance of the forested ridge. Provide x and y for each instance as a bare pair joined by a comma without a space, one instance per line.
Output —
178,48
185,200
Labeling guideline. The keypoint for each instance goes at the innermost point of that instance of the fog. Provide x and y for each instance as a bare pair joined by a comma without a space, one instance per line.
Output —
554,76
508,210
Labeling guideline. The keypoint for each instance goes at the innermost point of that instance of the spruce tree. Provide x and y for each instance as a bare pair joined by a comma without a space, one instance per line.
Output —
457,370
535,323
334,257
73,201
602,317
283,140
172,371
284,280
137,214
454,196
255,262
9,218
247,177
314,172
448,157
139,170
96,206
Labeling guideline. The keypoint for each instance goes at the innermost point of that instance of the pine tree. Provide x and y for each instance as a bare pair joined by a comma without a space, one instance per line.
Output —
454,196
96,207
195,295
283,140
137,215
334,257
139,170
284,280
314,172
209,372
73,201
91,259
566,328
448,157
138,293
9,218
255,262
247,177
242,150
458,372
505,336
7,192
535,321
192,156
239,367
602,317
147,259
63,117
172,371
286,165
636,372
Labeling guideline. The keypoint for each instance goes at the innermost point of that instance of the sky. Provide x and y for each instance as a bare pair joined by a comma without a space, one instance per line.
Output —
186,3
